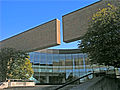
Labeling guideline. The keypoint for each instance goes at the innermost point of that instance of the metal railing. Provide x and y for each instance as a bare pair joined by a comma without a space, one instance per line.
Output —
68,83
103,73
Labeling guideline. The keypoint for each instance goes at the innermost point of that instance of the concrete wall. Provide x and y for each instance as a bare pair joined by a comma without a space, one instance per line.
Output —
42,36
75,24
99,83
106,84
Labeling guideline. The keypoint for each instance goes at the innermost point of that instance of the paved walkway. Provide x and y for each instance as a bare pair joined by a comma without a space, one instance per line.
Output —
37,87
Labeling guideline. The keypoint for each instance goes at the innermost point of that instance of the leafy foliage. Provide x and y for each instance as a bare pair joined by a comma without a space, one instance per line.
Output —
102,40
14,64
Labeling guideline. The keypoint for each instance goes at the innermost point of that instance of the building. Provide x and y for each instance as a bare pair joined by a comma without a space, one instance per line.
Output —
53,66
57,66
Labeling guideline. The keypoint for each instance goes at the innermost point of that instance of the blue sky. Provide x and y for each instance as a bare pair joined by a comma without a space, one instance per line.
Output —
17,16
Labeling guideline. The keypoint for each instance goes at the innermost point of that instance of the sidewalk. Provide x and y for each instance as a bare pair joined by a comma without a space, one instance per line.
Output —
37,87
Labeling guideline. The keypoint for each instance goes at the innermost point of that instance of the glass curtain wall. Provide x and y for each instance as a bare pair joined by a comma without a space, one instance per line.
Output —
55,68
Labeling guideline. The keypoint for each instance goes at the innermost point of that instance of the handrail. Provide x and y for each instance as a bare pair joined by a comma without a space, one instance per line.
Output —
79,79
73,81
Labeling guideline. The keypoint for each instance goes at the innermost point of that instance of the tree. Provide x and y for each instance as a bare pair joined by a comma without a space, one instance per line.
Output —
14,64
102,40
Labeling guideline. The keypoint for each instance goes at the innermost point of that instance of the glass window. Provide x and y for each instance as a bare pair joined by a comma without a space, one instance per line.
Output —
62,74
43,59
59,68
36,58
49,59
56,68
75,65
69,67
31,54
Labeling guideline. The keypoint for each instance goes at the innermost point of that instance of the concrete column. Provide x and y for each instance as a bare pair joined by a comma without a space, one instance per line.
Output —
47,79
63,80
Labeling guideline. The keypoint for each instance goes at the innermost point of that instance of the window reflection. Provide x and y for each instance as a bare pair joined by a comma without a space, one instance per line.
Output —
57,68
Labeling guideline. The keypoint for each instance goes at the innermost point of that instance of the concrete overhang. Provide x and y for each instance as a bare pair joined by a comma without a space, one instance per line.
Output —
39,37
75,24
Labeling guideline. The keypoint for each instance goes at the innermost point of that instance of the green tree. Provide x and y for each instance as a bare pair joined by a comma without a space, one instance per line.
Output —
14,64
102,40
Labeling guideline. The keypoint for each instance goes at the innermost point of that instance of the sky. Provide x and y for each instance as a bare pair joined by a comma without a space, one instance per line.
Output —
17,16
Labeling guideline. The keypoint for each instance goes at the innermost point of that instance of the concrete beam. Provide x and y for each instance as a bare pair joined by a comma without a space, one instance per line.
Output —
75,24
40,37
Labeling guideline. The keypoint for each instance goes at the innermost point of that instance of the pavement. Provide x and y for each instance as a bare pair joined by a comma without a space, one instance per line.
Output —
37,87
